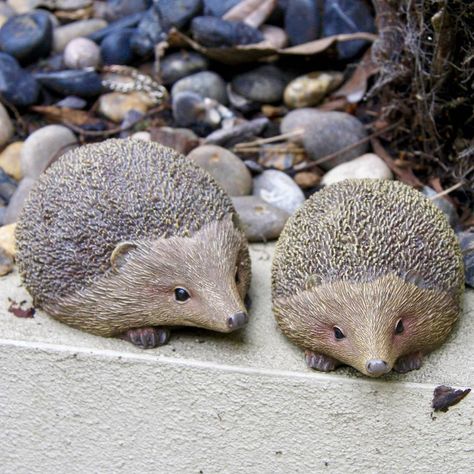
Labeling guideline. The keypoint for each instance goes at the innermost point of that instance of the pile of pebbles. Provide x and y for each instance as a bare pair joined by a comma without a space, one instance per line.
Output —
257,127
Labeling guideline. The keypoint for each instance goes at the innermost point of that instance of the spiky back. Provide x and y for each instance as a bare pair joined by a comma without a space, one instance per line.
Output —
359,230
98,195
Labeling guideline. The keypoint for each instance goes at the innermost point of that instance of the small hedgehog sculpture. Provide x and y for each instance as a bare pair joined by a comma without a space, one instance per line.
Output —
128,238
367,273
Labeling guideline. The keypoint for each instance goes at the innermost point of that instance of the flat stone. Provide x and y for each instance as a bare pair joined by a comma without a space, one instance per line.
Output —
264,84
17,201
205,83
225,167
296,121
347,16
302,21
79,82
366,166
324,133
260,220
175,66
116,105
17,85
82,52
279,190
116,47
10,160
64,34
27,37
216,33
44,146
6,126
177,13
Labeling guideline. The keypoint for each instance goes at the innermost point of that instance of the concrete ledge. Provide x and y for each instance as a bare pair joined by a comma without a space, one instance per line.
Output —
215,403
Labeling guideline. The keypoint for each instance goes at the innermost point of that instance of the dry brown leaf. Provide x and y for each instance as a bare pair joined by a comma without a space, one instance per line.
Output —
20,312
355,88
252,12
233,55
253,52
59,114
445,397
320,45
404,174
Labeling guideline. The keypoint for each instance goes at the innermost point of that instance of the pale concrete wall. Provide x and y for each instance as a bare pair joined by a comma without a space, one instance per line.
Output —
244,403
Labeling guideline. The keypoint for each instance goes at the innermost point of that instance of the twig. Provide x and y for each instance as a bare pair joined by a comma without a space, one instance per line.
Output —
111,131
447,191
263,141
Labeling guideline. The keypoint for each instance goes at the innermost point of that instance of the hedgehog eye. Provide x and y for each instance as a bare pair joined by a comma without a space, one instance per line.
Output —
399,328
181,295
338,334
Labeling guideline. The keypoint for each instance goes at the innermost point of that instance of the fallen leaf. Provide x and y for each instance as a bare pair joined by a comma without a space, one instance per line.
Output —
320,45
252,12
16,309
445,397
355,88
253,52
405,175
59,114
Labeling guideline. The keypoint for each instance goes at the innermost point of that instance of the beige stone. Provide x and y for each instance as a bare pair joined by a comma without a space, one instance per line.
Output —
6,126
7,239
366,166
10,160
115,105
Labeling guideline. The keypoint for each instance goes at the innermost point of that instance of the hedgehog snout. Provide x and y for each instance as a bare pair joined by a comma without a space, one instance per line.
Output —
377,367
237,320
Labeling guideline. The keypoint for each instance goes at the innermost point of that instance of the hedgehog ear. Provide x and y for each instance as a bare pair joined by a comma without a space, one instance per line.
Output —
312,281
236,221
120,253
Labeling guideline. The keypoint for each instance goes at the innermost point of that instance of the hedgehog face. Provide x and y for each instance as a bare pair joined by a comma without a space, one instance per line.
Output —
196,281
368,326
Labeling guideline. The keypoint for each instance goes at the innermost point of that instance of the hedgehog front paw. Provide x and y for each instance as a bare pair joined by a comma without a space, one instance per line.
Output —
408,362
147,337
320,362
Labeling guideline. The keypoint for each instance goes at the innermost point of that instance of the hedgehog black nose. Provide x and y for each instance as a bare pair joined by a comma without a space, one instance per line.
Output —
377,367
237,320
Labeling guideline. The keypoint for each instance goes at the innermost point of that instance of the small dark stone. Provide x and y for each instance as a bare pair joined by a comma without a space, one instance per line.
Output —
264,84
177,13
218,7
205,83
347,16
27,37
116,48
80,82
187,108
175,66
129,21
7,187
116,9
148,34
17,85
214,32
302,21
466,239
